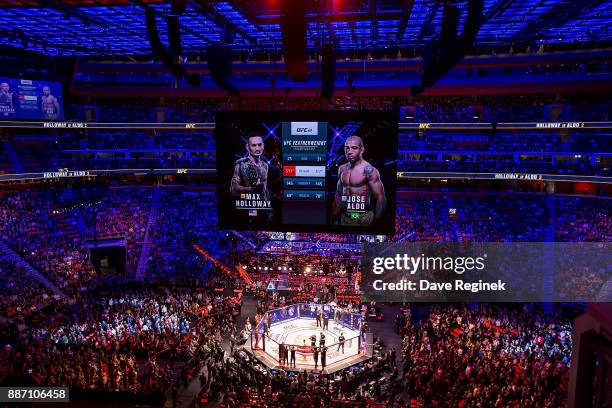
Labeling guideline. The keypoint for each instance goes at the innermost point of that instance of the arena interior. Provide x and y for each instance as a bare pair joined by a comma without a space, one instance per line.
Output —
190,191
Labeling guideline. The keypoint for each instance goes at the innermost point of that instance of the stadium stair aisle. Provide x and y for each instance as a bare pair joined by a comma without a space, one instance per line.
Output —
17,165
406,236
549,237
605,292
80,222
8,253
143,261
186,395
385,329
240,236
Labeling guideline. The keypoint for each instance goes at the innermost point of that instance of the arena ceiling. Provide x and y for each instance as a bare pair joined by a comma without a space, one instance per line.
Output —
117,27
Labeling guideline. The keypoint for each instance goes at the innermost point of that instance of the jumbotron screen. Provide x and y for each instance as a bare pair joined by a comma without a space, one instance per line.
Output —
29,99
313,171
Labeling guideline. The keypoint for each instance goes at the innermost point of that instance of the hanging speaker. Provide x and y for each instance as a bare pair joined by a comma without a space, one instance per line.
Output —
220,68
328,72
178,6
293,28
450,24
174,35
157,48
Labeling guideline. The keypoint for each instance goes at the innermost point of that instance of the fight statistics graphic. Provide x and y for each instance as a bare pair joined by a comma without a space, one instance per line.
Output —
312,171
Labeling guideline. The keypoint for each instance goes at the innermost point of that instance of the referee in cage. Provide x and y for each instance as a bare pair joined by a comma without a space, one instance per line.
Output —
323,357
341,342
286,350
292,355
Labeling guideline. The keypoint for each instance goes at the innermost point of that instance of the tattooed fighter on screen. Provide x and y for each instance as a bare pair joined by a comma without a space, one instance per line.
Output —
360,196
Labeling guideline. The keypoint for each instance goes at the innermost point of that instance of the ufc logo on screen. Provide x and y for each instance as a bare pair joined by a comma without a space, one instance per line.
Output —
304,128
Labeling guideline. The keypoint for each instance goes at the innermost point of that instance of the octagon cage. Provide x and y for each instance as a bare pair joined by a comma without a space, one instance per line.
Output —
297,325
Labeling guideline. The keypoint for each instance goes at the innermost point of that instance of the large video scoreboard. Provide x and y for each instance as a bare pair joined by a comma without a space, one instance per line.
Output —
307,171
30,99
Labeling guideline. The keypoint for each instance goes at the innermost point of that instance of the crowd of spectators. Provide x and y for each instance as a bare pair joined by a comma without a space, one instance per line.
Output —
6,166
185,217
574,141
135,341
497,164
582,219
124,213
39,155
179,149
501,218
155,139
51,237
481,355
145,340
487,356
140,160
480,109
587,111
22,293
241,380
50,240
140,341
167,150
454,108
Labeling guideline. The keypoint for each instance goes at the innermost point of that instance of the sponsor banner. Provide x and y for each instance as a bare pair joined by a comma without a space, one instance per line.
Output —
402,126
67,173
509,126
487,272
92,125
518,176
559,125
504,176
554,125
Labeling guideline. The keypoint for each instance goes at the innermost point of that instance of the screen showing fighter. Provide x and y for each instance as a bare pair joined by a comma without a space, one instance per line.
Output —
307,171
251,172
27,99
360,194
250,197
7,103
49,105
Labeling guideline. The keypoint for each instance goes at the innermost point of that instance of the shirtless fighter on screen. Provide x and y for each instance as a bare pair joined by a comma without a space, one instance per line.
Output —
251,172
49,105
358,184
